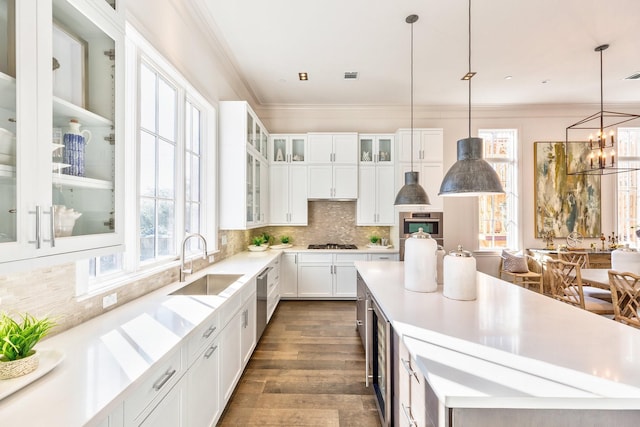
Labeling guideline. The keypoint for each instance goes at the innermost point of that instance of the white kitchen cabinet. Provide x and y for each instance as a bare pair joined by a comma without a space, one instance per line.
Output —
248,331
376,149
333,165
204,405
230,356
154,396
288,194
289,275
170,410
327,275
273,287
287,148
33,175
411,391
427,145
376,195
427,161
115,418
244,169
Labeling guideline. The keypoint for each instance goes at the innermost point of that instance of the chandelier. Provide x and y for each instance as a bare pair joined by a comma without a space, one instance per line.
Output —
599,156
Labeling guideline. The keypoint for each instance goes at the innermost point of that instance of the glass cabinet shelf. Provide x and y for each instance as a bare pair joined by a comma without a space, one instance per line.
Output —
81,182
63,111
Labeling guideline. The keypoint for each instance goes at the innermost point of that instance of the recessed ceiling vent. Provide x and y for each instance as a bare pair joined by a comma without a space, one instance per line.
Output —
635,76
351,75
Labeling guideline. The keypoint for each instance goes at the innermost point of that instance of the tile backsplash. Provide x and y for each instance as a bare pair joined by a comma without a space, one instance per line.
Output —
51,291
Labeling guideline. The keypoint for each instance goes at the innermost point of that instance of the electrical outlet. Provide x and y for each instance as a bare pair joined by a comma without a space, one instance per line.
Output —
211,258
109,300
224,239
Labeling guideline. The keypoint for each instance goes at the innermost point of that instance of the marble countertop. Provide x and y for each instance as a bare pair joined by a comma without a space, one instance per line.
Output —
101,366
591,361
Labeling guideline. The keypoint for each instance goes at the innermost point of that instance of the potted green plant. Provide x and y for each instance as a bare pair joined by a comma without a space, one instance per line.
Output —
257,240
374,239
266,238
285,240
17,339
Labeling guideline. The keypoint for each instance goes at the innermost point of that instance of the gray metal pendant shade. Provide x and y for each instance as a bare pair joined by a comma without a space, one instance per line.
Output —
471,175
411,192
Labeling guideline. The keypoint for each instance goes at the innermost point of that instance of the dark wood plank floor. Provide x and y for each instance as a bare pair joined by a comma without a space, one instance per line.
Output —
307,370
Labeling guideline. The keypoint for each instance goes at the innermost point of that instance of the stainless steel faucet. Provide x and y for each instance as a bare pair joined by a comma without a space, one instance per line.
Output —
189,270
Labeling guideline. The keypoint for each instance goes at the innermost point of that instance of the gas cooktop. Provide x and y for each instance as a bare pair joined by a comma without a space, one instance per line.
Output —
332,246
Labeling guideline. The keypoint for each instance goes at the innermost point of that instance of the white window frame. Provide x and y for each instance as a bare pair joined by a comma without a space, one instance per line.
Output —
138,49
627,222
514,232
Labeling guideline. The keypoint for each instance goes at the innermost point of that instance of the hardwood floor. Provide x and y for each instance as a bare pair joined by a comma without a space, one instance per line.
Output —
307,370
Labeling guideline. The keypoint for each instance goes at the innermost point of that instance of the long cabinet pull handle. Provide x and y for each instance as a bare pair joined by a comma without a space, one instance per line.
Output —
38,228
210,351
163,379
410,420
407,368
53,227
367,354
209,331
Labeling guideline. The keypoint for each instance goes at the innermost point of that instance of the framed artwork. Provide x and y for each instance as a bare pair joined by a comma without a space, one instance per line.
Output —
69,66
564,203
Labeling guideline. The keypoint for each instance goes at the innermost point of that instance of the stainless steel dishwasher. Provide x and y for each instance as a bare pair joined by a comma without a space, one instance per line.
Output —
261,308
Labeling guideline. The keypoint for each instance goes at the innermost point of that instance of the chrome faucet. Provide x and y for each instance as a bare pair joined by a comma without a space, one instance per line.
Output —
189,270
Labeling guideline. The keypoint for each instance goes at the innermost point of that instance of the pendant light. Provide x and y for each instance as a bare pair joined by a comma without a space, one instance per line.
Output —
601,157
411,192
470,175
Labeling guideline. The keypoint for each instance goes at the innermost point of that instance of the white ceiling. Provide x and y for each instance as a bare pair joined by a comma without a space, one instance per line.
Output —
533,41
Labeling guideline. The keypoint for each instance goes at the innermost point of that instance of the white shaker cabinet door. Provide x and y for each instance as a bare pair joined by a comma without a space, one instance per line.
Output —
203,396
345,182
315,280
279,194
298,195
386,195
320,182
367,212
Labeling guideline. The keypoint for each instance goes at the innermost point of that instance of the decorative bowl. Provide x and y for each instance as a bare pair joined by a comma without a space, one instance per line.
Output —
261,248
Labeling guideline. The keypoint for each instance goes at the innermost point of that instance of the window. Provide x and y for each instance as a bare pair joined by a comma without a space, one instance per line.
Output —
157,165
171,158
628,184
498,215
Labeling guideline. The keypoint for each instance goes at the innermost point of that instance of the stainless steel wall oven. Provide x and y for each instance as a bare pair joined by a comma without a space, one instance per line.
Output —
411,222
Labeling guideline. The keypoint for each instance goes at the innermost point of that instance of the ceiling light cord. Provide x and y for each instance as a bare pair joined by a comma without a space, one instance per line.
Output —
601,99
469,69
412,96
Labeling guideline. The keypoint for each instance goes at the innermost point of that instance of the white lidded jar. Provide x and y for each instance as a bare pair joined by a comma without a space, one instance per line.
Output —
460,275
420,263
440,253
625,260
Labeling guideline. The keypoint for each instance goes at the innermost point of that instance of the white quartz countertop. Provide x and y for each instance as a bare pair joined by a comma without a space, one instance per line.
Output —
361,249
107,355
511,347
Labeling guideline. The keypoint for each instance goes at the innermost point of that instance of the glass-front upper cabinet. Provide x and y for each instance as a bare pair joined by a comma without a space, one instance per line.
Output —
376,149
287,148
67,128
8,137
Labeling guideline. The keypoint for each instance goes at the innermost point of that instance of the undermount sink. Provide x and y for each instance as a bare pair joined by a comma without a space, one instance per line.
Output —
211,284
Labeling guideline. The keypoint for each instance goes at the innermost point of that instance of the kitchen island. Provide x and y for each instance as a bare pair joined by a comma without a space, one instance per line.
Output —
511,357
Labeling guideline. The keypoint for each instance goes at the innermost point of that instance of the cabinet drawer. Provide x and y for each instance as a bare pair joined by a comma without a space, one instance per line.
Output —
157,383
304,257
203,335
383,257
347,258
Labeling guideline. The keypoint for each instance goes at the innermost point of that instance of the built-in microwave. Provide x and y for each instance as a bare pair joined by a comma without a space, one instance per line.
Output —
412,222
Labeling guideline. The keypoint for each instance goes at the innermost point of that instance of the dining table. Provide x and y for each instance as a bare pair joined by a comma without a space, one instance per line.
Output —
596,277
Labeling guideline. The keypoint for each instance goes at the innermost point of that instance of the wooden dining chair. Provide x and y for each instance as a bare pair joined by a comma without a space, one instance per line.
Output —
625,292
566,286
582,258
524,279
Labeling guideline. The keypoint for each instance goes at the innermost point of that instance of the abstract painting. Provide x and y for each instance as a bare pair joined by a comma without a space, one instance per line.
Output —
564,203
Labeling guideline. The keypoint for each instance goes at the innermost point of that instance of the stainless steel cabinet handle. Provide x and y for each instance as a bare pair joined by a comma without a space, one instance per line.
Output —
410,420
209,331
407,368
210,351
163,379
38,214
52,226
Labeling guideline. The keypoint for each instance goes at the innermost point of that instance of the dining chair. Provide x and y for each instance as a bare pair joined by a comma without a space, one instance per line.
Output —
566,286
582,258
625,292
524,278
